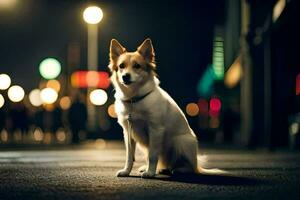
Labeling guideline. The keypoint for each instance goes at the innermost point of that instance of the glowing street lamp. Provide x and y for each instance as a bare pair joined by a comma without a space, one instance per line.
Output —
16,93
7,4
2,101
98,97
48,95
4,81
35,97
92,16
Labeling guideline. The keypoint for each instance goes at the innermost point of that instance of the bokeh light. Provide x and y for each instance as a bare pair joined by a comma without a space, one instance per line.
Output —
61,135
38,135
65,103
233,74
5,81
16,93
100,143
49,107
47,138
214,122
48,95
214,113
111,111
92,78
203,106
192,109
54,84
35,97
2,101
85,79
98,97
298,84
215,104
4,135
7,4
50,68
92,15
294,128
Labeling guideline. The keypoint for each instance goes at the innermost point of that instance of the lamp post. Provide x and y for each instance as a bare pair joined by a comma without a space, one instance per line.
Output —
92,16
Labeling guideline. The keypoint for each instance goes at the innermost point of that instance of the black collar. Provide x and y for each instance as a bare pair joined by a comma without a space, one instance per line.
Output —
137,99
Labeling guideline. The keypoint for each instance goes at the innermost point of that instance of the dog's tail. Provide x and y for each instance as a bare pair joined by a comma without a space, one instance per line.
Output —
202,160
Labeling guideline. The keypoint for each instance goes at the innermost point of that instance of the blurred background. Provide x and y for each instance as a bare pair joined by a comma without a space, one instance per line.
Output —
231,65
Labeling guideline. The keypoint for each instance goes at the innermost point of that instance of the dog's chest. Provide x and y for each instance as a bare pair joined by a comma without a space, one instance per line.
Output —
132,112
137,117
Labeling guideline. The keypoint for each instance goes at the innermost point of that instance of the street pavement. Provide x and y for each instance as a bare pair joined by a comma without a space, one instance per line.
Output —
88,172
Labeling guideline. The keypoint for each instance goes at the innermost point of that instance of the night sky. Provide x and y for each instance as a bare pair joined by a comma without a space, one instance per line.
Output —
181,32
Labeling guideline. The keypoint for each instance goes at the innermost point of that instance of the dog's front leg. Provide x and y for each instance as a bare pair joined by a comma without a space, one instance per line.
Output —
155,144
130,150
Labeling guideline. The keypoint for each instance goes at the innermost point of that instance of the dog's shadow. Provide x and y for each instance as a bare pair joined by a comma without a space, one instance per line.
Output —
226,179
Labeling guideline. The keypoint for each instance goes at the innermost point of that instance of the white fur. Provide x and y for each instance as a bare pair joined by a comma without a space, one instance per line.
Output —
158,125
157,122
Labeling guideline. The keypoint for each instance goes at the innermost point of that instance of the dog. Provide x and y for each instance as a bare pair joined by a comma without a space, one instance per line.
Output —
149,116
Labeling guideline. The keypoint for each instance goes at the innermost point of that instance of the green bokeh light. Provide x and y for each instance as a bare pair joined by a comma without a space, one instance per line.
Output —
50,68
205,84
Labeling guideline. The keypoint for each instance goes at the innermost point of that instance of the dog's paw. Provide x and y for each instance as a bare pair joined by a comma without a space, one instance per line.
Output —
167,172
122,173
148,174
142,168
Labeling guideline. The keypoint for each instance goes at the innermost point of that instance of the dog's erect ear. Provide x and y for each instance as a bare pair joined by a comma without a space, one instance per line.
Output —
147,51
116,49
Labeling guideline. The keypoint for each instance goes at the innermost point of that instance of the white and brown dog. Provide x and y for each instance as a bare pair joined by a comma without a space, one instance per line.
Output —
149,116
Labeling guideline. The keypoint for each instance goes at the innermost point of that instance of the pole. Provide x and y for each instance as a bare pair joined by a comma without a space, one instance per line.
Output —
246,81
92,65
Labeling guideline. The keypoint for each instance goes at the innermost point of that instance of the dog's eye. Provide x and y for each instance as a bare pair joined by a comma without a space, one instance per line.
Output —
122,66
136,66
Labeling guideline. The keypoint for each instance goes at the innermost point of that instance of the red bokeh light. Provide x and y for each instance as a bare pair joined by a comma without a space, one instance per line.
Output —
214,113
80,79
215,104
203,106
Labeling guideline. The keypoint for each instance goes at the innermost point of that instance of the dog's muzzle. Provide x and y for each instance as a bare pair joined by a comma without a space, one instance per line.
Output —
126,79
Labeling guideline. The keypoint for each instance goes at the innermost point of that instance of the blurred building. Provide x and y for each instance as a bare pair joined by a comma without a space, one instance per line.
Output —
261,68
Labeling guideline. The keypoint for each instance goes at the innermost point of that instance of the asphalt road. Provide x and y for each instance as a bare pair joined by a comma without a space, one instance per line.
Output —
88,172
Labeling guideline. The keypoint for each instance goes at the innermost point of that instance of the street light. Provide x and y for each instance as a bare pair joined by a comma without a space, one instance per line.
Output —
5,81
2,101
98,97
92,16
48,95
7,4
16,93
35,97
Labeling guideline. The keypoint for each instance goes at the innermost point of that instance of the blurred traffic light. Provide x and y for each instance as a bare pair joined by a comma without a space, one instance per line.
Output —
85,79
214,107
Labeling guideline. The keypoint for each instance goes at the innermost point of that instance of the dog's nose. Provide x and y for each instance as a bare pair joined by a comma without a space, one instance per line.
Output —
126,78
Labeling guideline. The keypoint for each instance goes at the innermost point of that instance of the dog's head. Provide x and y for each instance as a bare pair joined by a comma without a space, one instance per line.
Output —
132,68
